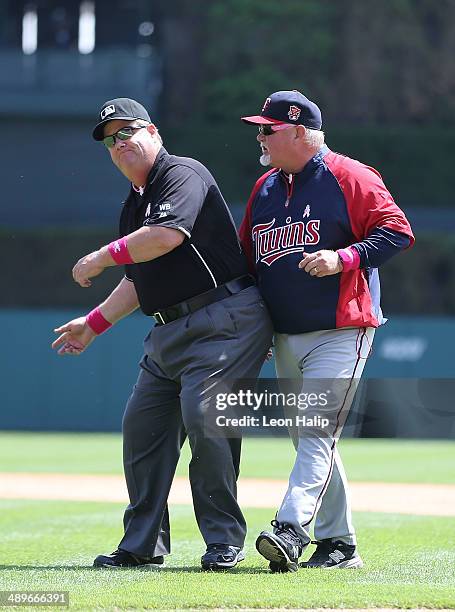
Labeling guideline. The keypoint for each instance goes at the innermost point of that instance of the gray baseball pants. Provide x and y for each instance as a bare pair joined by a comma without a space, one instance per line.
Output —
230,338
329,360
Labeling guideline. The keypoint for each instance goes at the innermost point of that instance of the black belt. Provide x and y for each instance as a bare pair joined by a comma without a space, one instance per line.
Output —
203,299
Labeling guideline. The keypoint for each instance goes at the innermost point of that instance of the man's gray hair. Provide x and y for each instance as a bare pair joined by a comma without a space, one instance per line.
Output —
314,138
143,123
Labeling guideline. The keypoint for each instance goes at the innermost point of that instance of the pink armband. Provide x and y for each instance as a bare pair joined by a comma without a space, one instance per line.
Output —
119,251
350,258
96,321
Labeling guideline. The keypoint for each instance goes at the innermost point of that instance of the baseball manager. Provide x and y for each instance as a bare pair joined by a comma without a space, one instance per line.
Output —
184,267
316,228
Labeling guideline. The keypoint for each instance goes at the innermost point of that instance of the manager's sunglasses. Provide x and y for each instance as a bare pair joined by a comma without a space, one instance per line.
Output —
269,129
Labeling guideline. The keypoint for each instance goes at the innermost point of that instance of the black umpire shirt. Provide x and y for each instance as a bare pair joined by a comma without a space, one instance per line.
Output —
180,193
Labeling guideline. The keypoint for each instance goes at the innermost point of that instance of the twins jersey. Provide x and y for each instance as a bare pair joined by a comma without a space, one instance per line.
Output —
333,203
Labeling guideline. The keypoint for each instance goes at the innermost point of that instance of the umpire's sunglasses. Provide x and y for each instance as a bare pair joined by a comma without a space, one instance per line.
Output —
123,133
269,129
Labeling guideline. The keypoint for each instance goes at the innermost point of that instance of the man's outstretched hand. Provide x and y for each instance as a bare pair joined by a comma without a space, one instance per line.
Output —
75,336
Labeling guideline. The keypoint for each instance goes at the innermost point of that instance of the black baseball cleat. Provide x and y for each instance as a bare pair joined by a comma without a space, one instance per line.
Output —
282,548
221,557
278,568
334,555
124,559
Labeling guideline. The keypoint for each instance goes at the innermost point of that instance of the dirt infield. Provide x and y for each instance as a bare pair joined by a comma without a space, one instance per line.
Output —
419,499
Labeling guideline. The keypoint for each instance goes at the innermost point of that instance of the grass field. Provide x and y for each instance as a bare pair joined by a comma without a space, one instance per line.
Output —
365,460
44,545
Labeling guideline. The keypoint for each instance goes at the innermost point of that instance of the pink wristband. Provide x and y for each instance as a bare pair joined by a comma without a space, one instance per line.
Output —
350,258
119,251
96,321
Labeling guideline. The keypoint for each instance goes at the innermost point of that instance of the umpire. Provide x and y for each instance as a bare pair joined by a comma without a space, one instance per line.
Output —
184,266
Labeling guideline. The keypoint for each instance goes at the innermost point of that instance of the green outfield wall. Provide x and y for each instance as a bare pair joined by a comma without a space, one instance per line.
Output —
43,391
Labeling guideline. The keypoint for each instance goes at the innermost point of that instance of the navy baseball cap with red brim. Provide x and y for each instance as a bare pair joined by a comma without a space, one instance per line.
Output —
288,107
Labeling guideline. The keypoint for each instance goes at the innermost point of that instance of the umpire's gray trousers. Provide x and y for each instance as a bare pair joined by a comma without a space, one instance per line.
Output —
230,338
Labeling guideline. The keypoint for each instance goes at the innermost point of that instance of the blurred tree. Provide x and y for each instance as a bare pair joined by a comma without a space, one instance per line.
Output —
381,72
396,61
256,47
181,34
363,61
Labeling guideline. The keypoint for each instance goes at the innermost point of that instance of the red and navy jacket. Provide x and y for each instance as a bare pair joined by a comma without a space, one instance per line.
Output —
334,202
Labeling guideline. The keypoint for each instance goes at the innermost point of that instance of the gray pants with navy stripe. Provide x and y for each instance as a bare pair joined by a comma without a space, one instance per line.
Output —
333,361
230,338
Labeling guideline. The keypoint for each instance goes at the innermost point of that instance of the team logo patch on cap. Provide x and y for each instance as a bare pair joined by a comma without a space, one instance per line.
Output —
266,103
294,112
107,111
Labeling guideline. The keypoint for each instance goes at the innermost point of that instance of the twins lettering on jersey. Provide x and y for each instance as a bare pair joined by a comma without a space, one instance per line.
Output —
272,242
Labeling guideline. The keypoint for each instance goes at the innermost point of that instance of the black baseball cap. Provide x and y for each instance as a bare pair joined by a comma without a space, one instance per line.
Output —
119,108
288,107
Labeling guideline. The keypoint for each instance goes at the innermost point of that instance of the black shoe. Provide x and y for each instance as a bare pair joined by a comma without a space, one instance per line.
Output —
221,556
278,568
122,558
334,555
283,547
